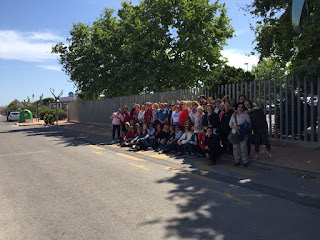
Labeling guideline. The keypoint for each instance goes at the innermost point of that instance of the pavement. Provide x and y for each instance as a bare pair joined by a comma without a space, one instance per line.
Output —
57,182
288,156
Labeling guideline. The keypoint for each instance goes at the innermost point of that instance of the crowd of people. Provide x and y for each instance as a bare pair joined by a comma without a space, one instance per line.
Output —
206,127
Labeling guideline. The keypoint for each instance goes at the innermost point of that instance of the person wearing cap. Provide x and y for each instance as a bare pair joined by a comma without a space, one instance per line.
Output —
116,123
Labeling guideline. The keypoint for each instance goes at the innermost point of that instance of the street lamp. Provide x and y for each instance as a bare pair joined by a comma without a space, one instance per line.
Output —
247,66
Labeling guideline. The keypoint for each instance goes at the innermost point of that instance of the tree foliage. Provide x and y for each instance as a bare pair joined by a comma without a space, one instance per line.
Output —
276,38
154,46
267,69
227,74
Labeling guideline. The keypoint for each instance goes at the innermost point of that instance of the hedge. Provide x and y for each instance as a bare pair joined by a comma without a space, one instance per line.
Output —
62,114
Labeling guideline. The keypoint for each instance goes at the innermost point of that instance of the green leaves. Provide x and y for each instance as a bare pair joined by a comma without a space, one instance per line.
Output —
275,37
155,46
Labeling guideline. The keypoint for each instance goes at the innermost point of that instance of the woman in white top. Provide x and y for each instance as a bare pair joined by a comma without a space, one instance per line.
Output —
141,114
175,115
240,149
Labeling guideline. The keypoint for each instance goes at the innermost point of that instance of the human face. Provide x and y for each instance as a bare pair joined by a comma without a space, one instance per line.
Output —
240,108
194,106
177,109
227,106
247,105
200,111
177,129
209,109
232,102
241,99
186,130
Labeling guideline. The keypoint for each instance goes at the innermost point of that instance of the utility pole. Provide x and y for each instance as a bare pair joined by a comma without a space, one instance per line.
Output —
56,98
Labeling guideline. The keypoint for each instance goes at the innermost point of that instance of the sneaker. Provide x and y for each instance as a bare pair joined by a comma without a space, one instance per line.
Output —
256,157
150,148
113,142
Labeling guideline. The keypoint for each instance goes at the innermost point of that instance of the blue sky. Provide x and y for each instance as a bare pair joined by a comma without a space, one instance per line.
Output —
28,29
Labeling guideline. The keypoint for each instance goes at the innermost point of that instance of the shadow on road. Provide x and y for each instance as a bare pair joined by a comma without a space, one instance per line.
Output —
66,137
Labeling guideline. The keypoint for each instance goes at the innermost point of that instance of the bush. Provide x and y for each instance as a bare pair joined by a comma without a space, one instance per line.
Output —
62,114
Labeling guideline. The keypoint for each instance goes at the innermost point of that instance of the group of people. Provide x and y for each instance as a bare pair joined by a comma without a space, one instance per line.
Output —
194,128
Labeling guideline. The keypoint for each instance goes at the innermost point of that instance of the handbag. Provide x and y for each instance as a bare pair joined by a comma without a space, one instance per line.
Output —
234,138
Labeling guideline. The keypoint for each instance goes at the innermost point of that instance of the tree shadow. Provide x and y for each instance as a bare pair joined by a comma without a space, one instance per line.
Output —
66,137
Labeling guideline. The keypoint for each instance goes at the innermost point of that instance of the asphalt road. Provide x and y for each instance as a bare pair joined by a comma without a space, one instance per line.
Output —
60,184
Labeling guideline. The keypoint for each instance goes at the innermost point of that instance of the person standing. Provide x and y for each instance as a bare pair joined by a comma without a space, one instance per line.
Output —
116,122
259,127
240,123
224,128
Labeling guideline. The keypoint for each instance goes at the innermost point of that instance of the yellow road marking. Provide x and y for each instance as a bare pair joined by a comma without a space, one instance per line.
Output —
192,175
114,146
142,152
130,157
228,194
99,153
139,166
203,165
160,156
239,170
96,147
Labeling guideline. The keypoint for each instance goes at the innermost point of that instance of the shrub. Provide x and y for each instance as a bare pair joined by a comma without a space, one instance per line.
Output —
62,114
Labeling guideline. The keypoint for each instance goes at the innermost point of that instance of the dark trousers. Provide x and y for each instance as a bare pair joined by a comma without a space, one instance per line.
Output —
214,154
226,145
261,137
114,129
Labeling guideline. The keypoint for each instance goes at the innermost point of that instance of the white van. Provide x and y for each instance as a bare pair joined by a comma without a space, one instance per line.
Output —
13,116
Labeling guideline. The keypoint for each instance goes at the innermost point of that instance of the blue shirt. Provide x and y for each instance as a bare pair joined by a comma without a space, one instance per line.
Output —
162,115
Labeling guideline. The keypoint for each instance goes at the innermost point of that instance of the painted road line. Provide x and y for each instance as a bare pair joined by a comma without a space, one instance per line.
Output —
203,165
114,146
190,174
130,157
99,153
96,147
160,156
227,194
239,170
139,166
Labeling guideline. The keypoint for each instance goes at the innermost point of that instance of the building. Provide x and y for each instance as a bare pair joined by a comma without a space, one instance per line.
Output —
63,102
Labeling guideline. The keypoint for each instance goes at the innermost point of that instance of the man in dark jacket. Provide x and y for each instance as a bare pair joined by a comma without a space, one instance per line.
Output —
259,127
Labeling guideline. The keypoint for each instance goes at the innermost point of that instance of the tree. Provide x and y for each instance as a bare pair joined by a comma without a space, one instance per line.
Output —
276,38
157,45
227,74
14,105
268,69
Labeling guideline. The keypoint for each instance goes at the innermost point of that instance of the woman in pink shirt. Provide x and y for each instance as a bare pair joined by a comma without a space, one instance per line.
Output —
116,117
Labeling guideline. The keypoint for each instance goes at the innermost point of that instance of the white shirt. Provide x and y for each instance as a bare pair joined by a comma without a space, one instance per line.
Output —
241,119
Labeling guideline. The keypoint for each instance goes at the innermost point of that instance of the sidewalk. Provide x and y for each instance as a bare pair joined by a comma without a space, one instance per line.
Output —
40,122
285,156
282,156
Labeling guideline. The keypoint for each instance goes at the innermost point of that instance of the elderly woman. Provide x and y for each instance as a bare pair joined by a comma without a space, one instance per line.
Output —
240,123
210,119
224,128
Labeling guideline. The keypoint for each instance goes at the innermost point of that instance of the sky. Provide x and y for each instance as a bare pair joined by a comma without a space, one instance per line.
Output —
29,29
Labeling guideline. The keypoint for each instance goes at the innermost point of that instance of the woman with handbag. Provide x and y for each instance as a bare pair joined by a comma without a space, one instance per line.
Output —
239,124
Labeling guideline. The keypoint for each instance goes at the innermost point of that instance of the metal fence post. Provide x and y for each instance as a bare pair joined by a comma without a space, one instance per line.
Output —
311,112
305,135
299,110
275,109
318,95
292,110
281,110
286,109
270,108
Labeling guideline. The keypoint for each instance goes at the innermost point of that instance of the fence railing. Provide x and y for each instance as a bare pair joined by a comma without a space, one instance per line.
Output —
291,107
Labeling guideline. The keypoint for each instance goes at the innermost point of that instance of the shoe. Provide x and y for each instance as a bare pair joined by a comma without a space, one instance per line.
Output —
150,148
270,155
246,164
236,164
113,142
178,154
256,157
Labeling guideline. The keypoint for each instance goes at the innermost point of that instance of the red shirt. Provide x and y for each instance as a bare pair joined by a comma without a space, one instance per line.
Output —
130,135
126,118
201,137
148,115
184,115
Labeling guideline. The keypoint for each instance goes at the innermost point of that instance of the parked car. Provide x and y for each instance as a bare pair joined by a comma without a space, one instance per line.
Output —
13,116
8,113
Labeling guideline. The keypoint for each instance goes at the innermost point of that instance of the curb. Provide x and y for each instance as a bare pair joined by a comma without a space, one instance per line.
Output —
300,171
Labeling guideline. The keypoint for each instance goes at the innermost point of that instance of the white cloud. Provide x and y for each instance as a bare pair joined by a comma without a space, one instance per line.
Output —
50,67
240,32
238,58
29,47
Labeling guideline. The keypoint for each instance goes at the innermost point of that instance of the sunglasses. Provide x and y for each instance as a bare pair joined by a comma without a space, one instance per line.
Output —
246,103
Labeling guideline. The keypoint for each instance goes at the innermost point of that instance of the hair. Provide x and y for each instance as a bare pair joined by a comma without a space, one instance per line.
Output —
187,127
200,107
242,95
209,105
249,101
195,103
137,105
202,96
156,105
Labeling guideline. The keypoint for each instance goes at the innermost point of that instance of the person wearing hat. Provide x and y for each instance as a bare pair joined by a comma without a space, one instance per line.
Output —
116,117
